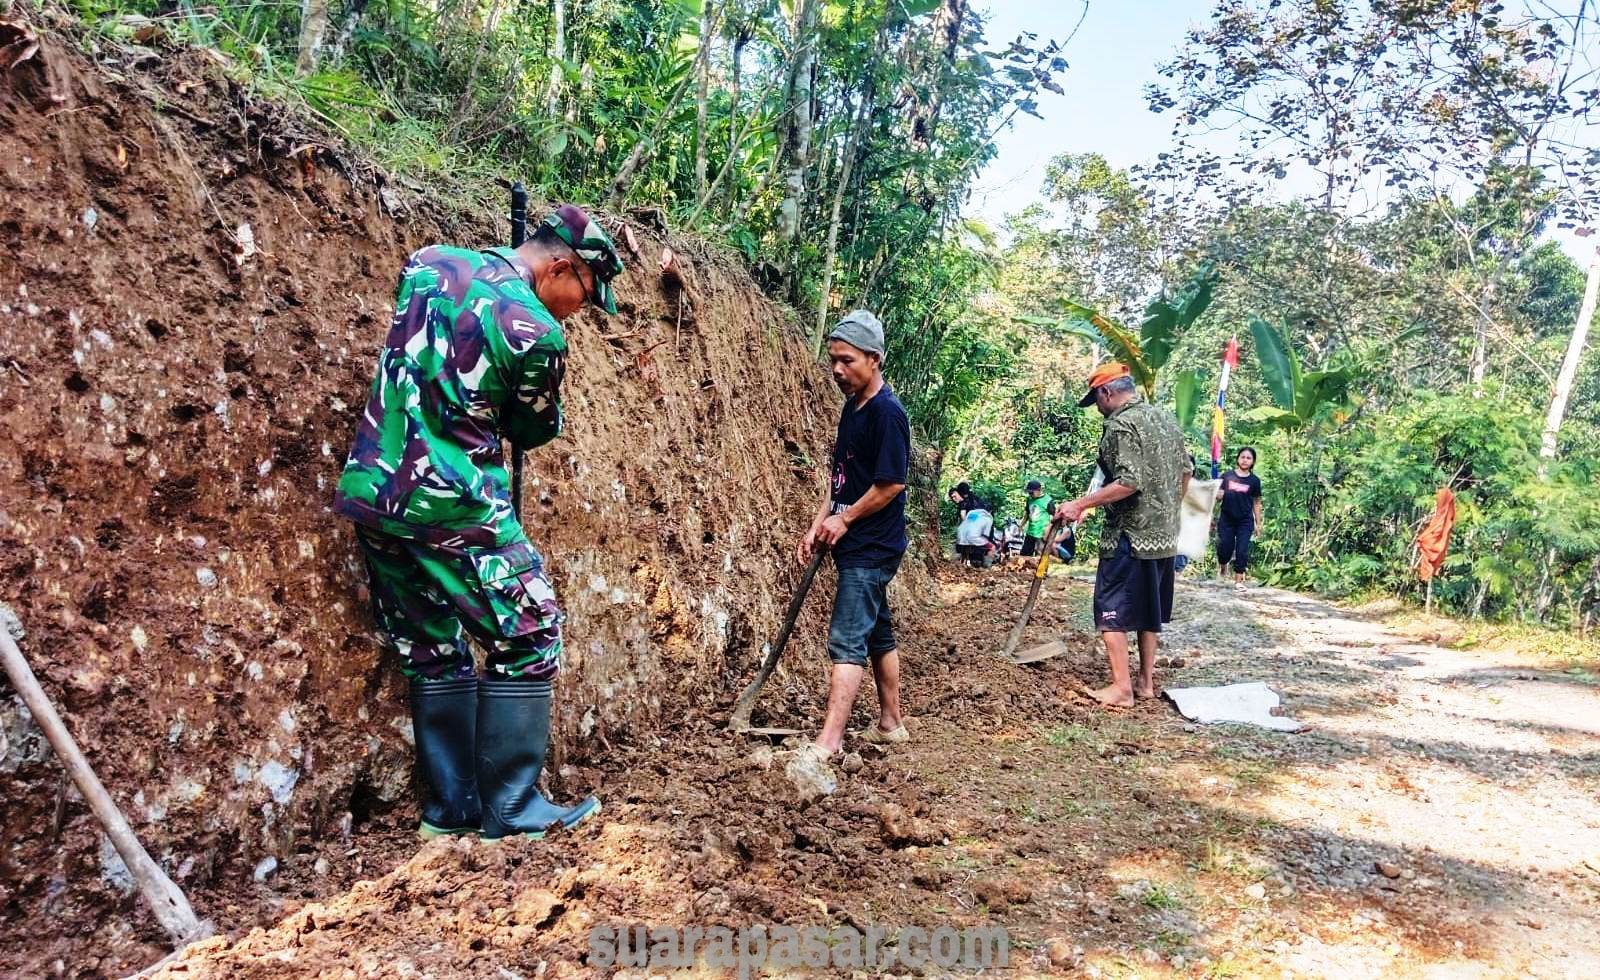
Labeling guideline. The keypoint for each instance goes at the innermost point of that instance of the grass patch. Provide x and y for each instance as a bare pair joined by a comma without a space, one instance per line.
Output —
1170,941
1225,967
1162,896
1063,736
1542,642
1222,858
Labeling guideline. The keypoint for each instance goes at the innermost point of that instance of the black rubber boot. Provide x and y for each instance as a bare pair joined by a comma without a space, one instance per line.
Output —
513,734
444,718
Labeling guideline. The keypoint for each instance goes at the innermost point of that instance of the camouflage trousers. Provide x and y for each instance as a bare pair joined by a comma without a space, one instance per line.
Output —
427,598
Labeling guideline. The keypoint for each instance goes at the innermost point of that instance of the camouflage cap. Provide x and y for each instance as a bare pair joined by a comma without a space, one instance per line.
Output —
574,226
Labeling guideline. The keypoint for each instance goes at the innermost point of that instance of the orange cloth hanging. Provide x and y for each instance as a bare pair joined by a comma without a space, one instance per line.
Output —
1434,539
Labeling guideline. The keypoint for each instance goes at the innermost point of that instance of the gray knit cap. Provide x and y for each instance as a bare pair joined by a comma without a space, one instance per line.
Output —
860,330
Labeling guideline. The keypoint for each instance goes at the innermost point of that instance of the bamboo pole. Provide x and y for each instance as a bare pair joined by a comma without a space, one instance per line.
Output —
166,900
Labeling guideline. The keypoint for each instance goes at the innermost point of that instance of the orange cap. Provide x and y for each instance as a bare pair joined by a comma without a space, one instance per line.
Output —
1104,374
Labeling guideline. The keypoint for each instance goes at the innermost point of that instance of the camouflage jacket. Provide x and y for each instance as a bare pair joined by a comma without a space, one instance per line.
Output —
1142,447
472,356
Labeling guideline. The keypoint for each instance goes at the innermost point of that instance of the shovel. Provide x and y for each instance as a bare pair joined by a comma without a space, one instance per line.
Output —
740,720
1033,592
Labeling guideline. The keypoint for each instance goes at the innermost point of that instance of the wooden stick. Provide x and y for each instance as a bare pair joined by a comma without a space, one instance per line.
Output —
166,900
740,720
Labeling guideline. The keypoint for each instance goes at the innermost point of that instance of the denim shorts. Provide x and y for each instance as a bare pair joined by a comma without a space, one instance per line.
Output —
861,625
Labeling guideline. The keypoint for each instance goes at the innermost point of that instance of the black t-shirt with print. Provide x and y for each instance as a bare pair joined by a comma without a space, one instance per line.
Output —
874,446
1239,495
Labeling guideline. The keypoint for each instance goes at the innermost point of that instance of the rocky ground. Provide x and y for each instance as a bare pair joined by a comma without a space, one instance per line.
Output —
1436,818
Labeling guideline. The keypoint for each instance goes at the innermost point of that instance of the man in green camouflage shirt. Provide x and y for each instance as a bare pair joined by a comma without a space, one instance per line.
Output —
474,355
1146,470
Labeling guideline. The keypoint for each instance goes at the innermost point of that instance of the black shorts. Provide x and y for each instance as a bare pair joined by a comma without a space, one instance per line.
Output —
1031,546
1132,594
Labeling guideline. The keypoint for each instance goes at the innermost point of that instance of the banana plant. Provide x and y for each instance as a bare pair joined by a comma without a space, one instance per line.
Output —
1186,398
1148,351
1297,395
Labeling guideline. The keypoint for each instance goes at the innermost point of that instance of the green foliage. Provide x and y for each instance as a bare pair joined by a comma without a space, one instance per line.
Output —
1523,547
1164,321
1299,395
1186,398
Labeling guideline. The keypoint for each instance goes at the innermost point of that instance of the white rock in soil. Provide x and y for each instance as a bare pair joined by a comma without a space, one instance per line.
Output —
810,775
112,869
10,622
265,868
279,780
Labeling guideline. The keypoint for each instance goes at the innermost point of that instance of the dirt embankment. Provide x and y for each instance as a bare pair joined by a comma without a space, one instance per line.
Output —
192,293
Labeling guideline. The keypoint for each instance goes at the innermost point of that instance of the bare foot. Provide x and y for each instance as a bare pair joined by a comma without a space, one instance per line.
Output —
1113,697
1144,693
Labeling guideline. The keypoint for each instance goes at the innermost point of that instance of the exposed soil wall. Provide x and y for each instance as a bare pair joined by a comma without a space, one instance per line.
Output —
175,407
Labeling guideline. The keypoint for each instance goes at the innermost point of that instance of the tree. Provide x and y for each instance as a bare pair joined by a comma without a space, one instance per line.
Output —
1164,321
1569,364
797,141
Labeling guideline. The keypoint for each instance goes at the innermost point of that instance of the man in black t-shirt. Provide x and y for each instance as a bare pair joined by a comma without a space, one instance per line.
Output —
862,518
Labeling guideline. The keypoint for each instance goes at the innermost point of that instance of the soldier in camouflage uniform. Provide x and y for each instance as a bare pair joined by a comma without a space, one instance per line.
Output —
1147,472
475,354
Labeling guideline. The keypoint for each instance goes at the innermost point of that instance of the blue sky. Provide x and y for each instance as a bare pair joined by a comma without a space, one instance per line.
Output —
1113,56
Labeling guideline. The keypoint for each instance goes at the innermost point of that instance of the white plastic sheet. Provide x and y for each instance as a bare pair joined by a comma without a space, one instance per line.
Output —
1247,704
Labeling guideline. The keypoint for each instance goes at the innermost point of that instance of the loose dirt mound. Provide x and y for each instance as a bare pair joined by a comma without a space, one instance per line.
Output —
192,293
704,829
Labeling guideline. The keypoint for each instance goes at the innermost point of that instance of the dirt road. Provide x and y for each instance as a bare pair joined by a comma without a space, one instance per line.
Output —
1434,820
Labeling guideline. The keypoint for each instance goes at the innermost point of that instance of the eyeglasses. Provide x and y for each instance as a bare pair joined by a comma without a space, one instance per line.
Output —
591,294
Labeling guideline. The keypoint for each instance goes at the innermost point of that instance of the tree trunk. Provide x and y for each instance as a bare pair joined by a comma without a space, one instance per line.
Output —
946,34
558,52
716,182
618,194
1569,364
313,25
743,210
741,38
470,88
352,18
702,68
852,144
1480,355
797,97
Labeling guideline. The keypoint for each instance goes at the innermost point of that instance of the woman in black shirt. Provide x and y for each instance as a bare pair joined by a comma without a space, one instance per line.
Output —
1240,516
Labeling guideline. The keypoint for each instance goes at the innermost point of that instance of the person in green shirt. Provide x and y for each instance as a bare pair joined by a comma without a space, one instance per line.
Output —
1038,521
